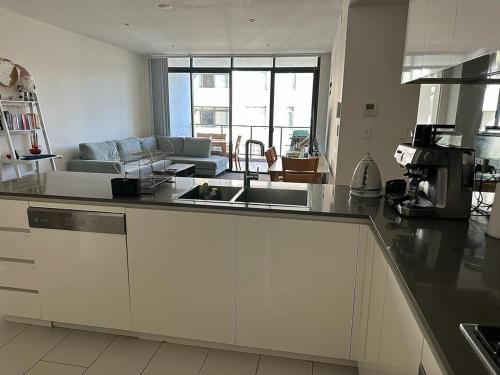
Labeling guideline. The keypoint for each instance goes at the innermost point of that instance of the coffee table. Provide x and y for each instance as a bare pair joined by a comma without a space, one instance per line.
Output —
181,170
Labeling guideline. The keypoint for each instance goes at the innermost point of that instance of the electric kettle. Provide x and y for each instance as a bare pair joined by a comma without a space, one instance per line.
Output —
366,181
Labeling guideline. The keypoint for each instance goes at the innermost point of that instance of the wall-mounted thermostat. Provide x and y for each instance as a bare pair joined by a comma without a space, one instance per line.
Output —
369,110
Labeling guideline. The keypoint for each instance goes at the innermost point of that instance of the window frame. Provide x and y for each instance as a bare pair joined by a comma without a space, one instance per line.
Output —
274,70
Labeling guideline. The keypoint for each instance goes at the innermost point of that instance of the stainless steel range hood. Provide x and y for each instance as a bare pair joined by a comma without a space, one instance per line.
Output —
479,71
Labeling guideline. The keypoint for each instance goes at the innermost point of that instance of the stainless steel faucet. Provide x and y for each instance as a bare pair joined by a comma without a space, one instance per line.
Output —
249,176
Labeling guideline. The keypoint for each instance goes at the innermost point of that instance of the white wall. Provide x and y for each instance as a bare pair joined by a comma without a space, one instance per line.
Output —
337,81
374,45
322,112
89,90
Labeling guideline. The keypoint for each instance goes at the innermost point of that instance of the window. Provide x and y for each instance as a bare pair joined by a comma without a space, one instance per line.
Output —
257,115
491,109
207,81
289,112
296,61
211,116
213,81
212,62
270,98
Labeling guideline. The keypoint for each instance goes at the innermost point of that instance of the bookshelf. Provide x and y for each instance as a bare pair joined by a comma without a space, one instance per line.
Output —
21,118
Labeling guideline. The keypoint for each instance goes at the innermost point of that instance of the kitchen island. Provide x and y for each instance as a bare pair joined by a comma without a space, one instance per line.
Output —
447,270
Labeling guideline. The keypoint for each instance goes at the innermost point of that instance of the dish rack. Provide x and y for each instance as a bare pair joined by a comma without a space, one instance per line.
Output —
149,166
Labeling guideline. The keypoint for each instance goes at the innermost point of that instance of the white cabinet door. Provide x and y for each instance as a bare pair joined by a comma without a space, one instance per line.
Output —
13,214
477,29
362,293
430,362
401,340
182,273
368,364
83,277
439,35
295,285
415,40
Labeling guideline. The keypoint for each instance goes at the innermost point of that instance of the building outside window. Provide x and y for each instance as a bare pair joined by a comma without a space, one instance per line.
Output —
212,81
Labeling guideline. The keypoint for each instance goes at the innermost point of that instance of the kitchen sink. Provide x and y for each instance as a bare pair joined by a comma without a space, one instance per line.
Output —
225,193
282,197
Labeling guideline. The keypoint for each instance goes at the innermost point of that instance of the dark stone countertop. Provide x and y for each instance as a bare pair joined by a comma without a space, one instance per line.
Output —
449,268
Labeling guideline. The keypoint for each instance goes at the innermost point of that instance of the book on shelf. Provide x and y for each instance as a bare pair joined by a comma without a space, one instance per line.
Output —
20,121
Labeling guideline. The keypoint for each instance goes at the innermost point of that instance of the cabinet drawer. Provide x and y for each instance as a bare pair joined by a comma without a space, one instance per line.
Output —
15,245
19,275
13,214
19,303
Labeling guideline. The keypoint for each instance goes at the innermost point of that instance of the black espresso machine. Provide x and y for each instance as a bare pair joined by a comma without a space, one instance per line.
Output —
441,177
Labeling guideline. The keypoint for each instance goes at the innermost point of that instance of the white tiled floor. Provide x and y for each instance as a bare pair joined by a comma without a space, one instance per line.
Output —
33,350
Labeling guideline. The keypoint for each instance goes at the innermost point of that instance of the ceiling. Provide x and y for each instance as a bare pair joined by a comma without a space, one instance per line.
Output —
194,26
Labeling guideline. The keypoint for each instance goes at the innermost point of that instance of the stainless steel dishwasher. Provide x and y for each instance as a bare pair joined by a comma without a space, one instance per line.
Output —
81,263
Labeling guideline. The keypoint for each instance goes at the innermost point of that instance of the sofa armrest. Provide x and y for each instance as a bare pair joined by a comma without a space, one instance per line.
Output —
95,166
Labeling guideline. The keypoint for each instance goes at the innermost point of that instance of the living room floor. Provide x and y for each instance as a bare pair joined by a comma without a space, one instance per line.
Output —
35,350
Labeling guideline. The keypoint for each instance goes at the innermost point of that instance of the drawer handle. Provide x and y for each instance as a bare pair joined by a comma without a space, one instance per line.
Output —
15,260
18,289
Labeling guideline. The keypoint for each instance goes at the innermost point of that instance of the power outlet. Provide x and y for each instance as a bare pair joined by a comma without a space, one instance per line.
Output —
367,132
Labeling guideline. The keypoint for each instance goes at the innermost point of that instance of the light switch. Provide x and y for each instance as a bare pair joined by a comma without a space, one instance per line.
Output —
367,132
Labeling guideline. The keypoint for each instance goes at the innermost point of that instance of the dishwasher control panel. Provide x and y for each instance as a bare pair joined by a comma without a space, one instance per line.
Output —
80,221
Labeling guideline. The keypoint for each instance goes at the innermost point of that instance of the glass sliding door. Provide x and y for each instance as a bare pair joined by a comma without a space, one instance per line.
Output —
266,98
211,109
293,104
251,110
179,104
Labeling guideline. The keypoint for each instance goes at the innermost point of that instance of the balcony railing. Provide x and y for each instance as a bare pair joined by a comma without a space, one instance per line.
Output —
282,136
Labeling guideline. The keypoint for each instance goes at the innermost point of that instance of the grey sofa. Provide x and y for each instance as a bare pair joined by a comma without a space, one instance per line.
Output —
102,157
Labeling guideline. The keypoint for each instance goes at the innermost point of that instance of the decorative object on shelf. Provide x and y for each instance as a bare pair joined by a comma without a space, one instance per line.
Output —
20,114
366,181
40,156
35,147
9,74
26,80
9,156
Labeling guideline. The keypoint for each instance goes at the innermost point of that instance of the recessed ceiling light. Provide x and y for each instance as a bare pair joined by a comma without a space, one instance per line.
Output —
165,6
252,20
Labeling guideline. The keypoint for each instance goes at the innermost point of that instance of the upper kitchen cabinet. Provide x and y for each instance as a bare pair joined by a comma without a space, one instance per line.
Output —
444,33
415,40
477,29
441,15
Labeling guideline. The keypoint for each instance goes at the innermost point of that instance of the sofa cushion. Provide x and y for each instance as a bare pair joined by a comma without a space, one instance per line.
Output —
197,147
171,145
212,162
98,151
149,144
129,146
